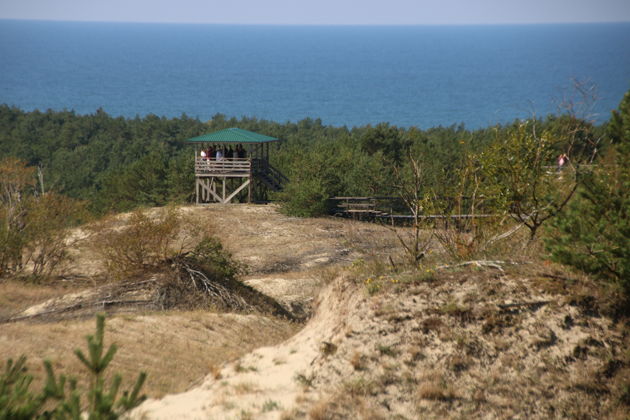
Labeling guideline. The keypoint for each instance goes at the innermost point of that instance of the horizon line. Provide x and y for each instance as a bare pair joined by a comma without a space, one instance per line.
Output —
314,24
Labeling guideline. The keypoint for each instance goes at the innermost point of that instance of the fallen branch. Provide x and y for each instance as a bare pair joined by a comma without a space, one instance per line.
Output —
477,263
504,235
213,289
523,304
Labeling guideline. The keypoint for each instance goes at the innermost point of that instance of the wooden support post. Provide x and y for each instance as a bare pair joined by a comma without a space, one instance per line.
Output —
225,180
251,181
238,190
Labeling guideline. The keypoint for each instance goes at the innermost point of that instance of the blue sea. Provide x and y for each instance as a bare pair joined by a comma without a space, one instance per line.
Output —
420,76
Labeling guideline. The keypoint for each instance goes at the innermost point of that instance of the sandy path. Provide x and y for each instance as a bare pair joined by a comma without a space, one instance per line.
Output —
267,382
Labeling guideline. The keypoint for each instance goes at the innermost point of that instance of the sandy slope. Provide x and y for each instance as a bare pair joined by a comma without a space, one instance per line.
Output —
287,258
265,381
463,343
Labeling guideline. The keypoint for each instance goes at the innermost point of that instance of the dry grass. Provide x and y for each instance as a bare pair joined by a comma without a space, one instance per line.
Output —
358,361
177,350
16,295
245,388
431,391
320,411
254,234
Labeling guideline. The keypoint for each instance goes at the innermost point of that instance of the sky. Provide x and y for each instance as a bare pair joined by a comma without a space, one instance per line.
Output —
327,12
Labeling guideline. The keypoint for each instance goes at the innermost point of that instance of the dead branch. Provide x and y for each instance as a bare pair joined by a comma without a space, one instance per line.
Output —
504,235
213,289
533,305
477,263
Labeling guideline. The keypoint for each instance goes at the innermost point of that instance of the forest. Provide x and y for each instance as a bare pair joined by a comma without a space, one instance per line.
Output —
113,164
117,164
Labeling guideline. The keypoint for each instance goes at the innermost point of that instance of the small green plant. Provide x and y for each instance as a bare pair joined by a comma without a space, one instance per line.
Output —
216,261
246,415
104,401
425,275
361,387
270,405
17,401
624,397
327,348
302,379
240,368
453,308
386,350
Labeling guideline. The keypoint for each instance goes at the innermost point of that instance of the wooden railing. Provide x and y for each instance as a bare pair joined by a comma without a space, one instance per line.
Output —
233,167
389,208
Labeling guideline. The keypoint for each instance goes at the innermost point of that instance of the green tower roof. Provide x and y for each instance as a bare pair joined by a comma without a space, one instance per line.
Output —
232,135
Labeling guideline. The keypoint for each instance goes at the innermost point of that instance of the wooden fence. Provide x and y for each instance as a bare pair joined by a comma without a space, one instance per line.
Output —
386,208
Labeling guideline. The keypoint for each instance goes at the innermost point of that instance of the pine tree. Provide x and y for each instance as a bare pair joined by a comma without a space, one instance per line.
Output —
594,233
18,402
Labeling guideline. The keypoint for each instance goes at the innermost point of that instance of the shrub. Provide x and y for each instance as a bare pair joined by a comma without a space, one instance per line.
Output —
469,224
216,261
33,227
516,171
47,237
307,198
593,235
145,241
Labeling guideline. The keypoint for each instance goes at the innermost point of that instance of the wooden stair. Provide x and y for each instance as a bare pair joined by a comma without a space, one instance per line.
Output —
271,177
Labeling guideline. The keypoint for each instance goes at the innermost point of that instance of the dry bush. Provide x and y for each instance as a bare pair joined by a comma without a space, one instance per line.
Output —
434,391
433,386
48,219
470,222
466,238
345,406
144,241
361,387
33,226
215,371
38,241
322,410
358,361
409,187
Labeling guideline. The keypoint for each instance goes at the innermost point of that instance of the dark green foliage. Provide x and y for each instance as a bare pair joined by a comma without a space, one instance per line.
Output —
385,139
83,156
17,401
619,125
594,233
306,198
119,164
216,261
518,170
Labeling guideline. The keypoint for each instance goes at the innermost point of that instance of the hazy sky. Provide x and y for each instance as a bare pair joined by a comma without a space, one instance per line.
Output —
321,11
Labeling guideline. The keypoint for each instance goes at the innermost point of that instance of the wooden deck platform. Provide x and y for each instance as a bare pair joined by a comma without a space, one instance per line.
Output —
224,179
